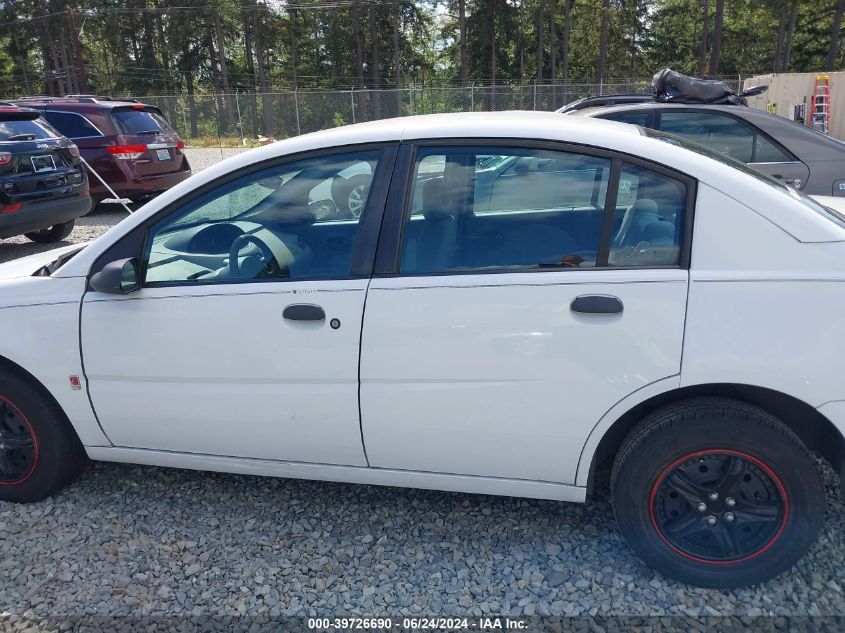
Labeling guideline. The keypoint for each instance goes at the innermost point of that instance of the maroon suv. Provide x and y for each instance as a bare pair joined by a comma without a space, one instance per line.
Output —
129,144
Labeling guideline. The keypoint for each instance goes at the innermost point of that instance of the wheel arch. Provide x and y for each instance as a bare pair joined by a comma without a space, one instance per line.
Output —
9,366
815,430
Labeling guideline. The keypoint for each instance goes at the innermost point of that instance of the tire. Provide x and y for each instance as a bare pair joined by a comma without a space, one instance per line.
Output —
769,503
40,452
350,194
53,233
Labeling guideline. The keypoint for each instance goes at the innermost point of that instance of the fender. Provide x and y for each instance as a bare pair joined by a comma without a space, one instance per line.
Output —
613,414
39,334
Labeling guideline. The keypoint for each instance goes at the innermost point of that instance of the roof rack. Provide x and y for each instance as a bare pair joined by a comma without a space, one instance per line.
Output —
93,98
606,100
76,97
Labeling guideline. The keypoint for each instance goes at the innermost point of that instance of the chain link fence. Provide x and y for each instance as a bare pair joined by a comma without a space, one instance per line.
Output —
240,118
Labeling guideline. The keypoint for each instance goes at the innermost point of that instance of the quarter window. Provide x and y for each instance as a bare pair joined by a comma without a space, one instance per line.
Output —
293,221
71,124
649,219
501,207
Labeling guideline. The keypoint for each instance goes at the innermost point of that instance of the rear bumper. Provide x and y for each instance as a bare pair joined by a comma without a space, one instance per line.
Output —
124,179
33,216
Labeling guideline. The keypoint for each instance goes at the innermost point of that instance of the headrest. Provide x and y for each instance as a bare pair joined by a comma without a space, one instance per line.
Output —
644,205
434,203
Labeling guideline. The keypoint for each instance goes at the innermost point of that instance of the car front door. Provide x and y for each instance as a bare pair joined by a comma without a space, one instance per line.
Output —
244,337
504,320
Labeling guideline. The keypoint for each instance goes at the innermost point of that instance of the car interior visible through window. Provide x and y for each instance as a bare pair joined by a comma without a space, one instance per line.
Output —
487,208
292,221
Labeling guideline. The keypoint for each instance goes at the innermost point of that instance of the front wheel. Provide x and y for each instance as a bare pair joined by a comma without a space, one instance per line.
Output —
39,451
717,493
53,233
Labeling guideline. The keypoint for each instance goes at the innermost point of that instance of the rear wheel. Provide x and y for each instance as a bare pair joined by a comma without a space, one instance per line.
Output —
717,493
39,451
53,233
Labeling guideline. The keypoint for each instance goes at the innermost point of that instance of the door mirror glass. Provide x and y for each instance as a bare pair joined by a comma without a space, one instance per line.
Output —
117,278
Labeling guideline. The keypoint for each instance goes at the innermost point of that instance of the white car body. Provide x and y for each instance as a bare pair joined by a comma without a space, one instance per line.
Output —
483,383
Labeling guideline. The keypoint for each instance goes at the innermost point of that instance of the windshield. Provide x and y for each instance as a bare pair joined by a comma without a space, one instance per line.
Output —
805,200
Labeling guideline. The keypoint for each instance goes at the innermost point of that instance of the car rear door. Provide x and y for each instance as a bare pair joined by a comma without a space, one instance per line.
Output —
499,328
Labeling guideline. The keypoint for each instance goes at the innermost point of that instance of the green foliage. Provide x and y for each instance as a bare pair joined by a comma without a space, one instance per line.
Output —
157,47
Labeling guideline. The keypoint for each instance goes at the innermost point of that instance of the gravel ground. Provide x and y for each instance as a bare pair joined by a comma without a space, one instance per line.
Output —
129,540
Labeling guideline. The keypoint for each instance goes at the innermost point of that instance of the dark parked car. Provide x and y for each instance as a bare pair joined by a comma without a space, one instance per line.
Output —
129,144
791,152
43,186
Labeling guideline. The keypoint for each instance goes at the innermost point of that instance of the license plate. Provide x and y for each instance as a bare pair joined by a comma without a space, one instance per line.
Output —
163,154
43,163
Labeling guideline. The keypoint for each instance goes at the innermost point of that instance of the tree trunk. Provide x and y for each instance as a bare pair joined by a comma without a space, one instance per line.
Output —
779,47
705,37
790,31
718,20
250,69
553,40
77,50
263,83
492,34
293,32
359,59
224,71
538,42
605,19
833,50
462,26
568,5
189,86
397,59
375,72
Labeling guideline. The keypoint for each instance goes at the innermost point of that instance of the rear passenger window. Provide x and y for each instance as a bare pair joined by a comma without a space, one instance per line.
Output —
634,118
649,220
479,209
488,208
721,133
71,124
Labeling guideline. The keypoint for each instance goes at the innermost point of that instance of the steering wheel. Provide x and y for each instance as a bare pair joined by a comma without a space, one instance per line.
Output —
639,248
272,268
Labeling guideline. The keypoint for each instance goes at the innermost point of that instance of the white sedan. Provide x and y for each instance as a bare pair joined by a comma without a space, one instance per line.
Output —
519,302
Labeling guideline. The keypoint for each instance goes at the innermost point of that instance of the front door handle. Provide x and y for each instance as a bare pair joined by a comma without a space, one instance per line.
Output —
304,312
596,304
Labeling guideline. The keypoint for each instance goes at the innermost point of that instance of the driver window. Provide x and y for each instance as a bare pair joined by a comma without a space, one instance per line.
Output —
292,221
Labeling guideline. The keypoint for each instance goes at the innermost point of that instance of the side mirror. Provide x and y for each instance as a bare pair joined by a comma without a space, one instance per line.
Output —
117,278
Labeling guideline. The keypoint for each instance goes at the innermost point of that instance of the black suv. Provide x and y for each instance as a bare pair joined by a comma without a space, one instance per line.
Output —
43,186
793,153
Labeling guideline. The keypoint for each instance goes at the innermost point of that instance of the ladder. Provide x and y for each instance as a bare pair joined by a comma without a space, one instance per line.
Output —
820,118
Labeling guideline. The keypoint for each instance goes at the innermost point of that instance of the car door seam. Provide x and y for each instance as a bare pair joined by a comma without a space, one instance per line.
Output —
85,374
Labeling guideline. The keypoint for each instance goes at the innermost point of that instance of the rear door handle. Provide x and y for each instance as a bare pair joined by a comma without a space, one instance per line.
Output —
304,312
596,304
